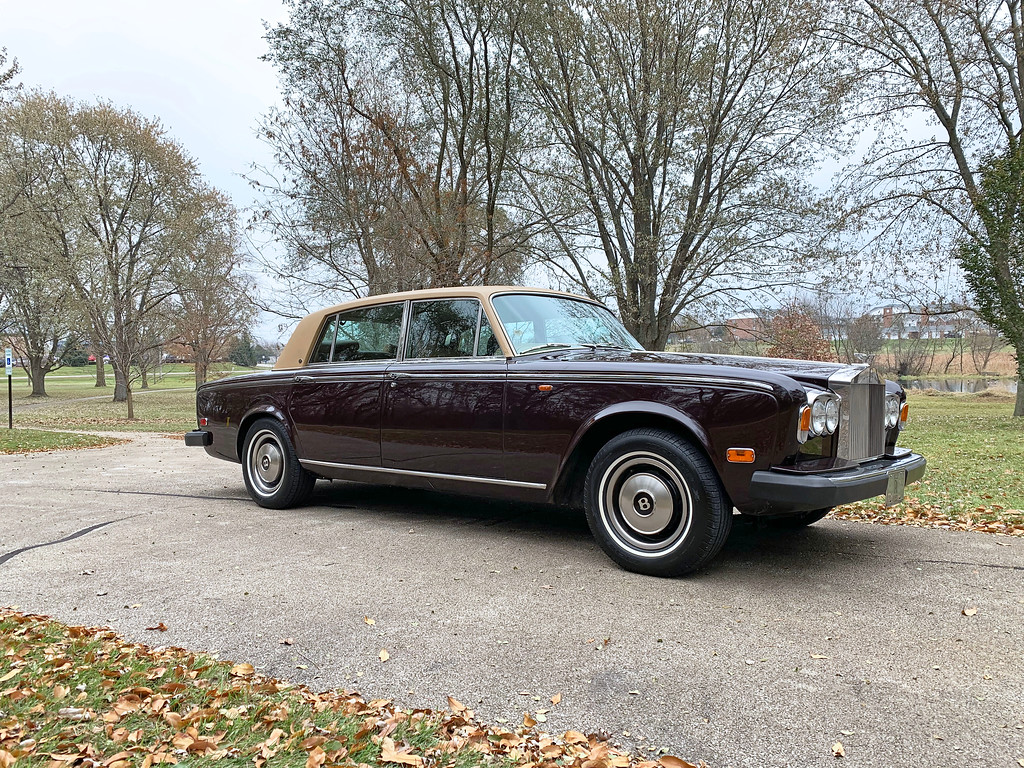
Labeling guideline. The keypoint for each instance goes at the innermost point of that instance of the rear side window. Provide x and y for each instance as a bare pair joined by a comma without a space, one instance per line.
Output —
368,333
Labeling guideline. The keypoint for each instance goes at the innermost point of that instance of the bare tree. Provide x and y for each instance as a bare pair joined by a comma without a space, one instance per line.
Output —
864,335
37,307
212,304
959,66
394,145
671,140
7,71
118,202
982,342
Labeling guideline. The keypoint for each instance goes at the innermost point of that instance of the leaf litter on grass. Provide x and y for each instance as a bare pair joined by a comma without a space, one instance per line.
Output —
79,697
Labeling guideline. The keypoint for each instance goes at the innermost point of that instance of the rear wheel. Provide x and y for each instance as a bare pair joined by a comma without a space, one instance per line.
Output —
273,475
654,503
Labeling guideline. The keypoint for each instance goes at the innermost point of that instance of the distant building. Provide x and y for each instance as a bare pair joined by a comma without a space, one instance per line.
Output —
926,322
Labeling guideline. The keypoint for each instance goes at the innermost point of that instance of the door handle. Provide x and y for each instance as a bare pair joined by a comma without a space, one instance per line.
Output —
303,379
399,375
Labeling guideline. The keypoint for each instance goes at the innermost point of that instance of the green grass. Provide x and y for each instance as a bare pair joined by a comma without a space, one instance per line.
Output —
29,440
84,696
74,402
155,411
71,383
975,452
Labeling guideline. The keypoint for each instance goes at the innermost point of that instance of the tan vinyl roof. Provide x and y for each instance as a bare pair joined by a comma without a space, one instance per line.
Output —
296,351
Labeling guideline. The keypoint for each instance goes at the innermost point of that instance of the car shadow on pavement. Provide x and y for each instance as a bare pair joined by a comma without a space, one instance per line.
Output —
750,544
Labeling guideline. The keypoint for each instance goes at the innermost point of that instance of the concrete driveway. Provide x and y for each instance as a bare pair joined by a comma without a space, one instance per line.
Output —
788,643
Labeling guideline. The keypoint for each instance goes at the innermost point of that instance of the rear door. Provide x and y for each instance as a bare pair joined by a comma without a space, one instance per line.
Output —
336,401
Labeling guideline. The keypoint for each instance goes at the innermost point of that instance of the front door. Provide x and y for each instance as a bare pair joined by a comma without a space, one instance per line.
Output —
443,403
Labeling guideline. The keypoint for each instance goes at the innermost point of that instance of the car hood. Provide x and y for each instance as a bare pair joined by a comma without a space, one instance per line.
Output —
811,372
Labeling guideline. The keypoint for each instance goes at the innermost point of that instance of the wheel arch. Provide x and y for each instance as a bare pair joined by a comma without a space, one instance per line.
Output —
606,424
266,410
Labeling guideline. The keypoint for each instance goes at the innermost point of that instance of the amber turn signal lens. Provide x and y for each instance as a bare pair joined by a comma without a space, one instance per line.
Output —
740,455
904,413
544,387
805,419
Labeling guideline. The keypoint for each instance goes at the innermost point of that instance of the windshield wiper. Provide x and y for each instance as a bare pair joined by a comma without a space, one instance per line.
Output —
608,346
541,347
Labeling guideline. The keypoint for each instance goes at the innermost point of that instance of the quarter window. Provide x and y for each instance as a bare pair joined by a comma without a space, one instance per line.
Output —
367,333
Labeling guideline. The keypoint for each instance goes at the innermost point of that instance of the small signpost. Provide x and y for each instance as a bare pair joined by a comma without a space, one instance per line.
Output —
9,365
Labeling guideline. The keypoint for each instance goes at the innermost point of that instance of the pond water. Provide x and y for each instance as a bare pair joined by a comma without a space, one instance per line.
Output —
961,385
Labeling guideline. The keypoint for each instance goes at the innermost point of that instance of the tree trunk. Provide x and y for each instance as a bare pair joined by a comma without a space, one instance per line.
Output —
37,376
120,386
1019,404
202,367
145,379
131,403
101,372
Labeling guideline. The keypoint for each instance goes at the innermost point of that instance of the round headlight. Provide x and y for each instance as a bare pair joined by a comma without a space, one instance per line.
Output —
892,411
832,416
818,417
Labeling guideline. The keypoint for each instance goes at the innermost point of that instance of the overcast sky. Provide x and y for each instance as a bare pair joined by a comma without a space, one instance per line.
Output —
193,64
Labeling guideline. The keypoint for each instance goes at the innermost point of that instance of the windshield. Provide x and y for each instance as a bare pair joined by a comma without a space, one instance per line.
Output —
535,323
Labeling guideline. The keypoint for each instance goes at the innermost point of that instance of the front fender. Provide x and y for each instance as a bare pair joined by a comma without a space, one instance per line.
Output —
645,408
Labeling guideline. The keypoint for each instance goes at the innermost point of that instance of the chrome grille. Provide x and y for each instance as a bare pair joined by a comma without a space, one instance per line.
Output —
862,426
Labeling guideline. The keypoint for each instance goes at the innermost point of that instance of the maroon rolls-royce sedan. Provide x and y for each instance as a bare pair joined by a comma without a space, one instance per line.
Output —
543,396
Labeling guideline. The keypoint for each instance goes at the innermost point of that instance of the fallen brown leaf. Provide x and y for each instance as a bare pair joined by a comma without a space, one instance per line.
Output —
838,750
671,761
384,655
242,670
161,627
971,611
556,699
389,754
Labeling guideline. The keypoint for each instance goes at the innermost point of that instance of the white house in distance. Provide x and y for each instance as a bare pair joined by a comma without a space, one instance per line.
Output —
927,322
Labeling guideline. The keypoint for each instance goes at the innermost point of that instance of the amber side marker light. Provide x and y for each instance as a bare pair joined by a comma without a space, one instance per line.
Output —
544,387
740,455
904,415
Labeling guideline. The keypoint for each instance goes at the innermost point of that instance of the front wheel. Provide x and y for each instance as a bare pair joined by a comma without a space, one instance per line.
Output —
273,475
654,503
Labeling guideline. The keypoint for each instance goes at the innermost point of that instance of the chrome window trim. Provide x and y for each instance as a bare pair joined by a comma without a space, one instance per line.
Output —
429,475
407,322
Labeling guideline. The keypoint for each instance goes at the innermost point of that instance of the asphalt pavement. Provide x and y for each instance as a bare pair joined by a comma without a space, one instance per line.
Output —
788,643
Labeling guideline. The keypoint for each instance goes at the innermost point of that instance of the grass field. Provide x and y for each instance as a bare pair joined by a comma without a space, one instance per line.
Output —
74,402
31,440
975,452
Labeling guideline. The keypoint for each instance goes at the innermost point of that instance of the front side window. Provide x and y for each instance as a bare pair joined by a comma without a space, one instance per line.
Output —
443,328
534,323
367,333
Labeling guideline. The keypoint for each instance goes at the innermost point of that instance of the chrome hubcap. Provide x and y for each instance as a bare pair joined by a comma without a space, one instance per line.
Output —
645,504
266,462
